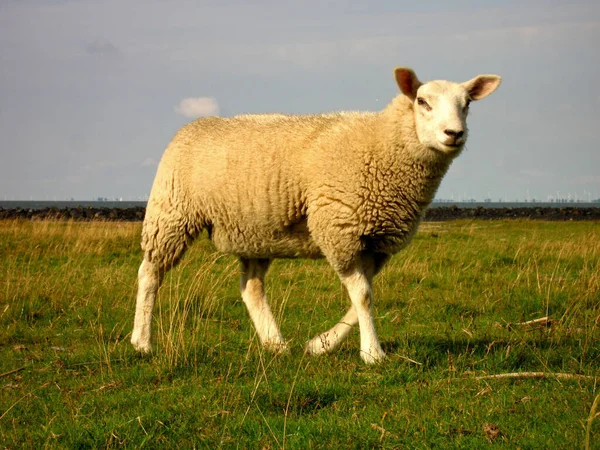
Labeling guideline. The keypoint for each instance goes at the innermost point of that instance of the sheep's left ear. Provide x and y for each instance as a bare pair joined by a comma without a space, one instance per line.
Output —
407,82
481,86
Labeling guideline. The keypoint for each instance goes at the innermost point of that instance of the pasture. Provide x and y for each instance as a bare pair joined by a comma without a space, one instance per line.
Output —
454,307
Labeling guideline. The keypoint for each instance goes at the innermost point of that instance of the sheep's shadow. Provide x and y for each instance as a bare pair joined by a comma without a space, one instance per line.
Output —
432,351
303,400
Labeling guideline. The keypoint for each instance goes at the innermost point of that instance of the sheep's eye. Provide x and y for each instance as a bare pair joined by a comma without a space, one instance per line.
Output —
467,104
421,101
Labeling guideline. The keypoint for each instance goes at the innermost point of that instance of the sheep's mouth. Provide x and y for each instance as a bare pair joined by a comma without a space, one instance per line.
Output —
455,146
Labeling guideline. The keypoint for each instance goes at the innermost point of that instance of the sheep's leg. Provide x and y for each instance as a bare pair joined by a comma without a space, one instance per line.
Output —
253,294
330,340
359,288
164,243
369,265
148,283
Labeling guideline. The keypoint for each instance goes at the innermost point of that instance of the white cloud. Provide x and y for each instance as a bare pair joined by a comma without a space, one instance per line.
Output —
149,162
195,107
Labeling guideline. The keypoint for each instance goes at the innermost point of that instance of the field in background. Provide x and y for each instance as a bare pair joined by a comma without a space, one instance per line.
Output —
448,309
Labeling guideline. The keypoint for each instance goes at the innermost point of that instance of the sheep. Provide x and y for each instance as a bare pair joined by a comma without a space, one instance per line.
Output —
350,187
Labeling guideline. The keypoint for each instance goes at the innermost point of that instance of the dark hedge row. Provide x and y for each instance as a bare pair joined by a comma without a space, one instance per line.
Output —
82,213
539,213
437,214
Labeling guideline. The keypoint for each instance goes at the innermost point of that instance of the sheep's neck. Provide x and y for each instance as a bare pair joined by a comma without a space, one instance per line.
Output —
418,171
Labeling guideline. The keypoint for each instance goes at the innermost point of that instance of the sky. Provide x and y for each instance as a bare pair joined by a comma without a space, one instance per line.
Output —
91,92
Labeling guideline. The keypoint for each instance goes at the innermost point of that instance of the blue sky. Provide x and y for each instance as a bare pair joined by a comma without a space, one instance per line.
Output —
91,92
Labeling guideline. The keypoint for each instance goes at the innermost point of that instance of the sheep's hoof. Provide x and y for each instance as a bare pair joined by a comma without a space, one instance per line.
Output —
373,357
318,346
142,347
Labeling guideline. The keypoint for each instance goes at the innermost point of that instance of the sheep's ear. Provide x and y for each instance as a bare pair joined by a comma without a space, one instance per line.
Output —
481,86
407,82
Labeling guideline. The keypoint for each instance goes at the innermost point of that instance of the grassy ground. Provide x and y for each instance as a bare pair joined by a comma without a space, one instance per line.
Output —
443,309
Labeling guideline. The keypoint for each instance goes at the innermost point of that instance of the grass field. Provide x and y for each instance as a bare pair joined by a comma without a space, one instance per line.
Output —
449,309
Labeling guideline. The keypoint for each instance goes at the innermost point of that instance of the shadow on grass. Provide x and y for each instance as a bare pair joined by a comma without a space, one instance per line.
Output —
519,352
304,400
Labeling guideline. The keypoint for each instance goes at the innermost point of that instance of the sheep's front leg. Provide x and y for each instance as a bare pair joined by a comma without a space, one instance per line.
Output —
358,283
359,288
253,294
330,340
148,283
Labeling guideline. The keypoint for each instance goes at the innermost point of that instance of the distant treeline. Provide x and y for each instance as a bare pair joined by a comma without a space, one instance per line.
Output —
437,214
443,213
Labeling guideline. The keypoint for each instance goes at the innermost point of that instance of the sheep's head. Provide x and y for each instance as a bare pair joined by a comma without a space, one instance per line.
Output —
441,107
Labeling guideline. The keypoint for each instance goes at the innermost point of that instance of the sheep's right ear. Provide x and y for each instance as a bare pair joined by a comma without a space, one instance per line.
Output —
407,82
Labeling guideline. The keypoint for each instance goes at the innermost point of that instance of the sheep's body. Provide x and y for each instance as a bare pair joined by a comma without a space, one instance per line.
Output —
351,187
260,183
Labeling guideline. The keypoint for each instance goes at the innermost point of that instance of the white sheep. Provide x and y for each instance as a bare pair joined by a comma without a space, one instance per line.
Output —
350,187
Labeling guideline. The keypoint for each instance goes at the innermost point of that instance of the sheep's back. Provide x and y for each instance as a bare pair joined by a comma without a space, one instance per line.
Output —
242,177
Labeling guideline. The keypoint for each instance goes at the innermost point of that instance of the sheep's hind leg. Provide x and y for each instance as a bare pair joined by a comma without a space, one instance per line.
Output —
159,257
148,283
253,294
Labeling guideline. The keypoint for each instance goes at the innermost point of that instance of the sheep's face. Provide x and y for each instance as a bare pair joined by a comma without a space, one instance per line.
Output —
441,108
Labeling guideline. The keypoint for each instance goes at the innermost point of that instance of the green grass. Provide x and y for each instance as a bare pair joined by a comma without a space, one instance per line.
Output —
442,311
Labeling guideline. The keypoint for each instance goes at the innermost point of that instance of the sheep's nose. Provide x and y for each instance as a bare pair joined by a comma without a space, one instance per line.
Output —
455,134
